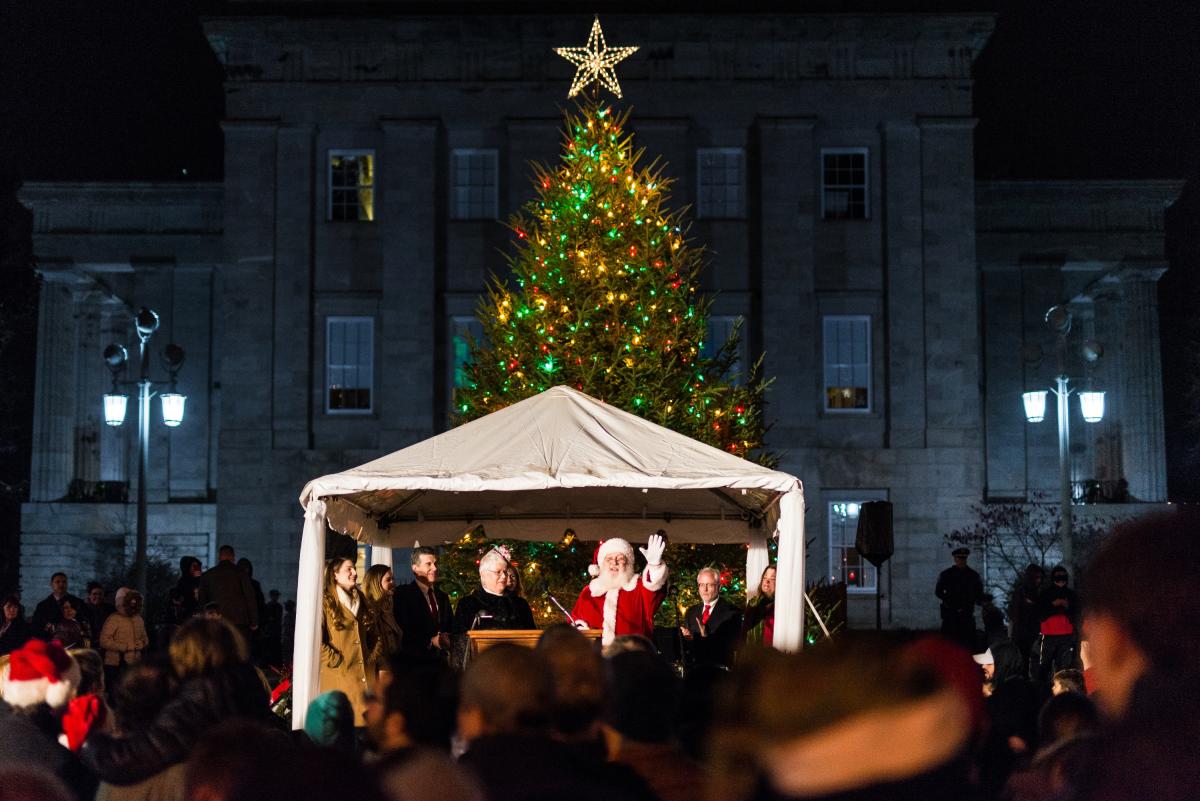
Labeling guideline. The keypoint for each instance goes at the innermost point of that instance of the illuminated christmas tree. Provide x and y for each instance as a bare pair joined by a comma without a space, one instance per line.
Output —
603,297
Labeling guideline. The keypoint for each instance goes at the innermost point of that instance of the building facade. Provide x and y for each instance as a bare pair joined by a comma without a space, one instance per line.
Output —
323,291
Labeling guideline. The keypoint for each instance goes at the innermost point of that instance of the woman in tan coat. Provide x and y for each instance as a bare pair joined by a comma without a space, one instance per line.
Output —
123,636
384,634
343,645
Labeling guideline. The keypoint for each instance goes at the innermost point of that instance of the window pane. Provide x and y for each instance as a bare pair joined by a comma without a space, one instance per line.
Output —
719,188
847,366
352,185
349,362
845,563
462,328
844,185
473,184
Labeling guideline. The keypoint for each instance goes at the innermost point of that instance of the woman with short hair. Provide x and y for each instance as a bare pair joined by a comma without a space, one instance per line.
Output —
72,631
489,607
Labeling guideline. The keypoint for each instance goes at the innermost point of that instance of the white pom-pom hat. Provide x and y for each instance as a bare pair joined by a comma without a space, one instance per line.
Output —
606,547
39,673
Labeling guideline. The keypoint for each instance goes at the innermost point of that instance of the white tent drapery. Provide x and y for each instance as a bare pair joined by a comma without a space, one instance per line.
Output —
528,471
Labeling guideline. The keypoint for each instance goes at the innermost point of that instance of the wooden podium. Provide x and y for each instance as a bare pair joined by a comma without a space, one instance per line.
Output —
478,641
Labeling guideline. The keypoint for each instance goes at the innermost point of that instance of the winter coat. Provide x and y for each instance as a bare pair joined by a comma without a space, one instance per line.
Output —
201,703
17,634
530,767
165,786
628,609
73,633
384,635
123,638
48,612
230,588
344,654
28,740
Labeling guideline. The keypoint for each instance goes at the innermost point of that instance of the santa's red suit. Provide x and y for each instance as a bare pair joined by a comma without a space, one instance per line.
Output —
625,609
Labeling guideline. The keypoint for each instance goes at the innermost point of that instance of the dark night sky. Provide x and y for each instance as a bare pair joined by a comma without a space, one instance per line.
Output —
127,89
1065,89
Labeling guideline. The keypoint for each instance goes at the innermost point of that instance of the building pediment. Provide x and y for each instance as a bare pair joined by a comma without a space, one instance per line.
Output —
672,47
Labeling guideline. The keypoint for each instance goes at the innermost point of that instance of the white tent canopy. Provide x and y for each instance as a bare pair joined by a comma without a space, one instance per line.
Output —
558,460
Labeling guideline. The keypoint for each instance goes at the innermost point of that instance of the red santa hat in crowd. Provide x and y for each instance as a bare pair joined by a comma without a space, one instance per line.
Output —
606,547
39,672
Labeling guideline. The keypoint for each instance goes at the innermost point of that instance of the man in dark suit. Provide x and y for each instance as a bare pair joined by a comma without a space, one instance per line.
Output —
423,611
711,627
48,613
228,586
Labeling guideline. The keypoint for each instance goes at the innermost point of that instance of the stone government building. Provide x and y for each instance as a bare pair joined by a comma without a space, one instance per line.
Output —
322,291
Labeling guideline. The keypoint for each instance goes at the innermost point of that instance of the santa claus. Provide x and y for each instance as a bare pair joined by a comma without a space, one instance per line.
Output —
618,600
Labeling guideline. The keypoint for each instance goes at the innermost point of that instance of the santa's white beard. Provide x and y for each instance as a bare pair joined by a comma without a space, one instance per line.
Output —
612,581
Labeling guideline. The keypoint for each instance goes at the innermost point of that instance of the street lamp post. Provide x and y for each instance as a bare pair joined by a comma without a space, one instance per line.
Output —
116,357
1091,402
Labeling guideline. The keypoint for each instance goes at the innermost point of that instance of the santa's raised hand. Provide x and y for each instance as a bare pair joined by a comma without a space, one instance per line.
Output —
654,549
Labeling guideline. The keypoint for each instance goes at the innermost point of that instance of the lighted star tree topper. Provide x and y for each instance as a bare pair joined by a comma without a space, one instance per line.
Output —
595,62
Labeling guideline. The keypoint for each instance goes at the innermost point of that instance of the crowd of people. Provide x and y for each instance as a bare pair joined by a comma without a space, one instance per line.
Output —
600,713
119,631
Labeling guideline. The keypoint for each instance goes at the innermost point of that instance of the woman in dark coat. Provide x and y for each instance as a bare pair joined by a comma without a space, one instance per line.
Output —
758,621
489,607
216,683
15,630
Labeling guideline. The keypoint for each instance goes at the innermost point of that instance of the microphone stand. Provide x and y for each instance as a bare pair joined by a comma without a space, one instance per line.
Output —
554,601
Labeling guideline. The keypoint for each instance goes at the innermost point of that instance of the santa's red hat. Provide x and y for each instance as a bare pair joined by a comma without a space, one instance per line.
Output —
39,673
606,547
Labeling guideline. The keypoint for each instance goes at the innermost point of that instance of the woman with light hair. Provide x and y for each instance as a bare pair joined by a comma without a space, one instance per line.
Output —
490,607
216,683
379,589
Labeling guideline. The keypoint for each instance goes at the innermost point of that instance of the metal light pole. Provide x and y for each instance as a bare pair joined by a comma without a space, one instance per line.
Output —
115,356
1058,318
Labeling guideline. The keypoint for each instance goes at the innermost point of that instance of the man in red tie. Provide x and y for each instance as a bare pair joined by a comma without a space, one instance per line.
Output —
422,610
711,627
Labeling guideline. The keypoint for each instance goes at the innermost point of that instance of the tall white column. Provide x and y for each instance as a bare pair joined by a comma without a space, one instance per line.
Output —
54,391
1143,449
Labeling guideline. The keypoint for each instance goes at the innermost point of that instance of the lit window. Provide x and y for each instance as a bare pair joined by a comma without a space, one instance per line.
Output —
845,563
349,364
463,328
847,341
352,185
844,184
720,183
717,332
474,193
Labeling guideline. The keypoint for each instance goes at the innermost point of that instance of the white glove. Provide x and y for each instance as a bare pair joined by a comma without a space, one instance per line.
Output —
581,624
654,550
